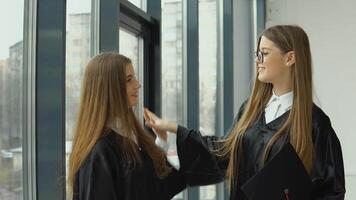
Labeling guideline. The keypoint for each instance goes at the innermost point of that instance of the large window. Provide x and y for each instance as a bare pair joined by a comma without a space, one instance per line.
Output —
208,65
11,99
78,48
172,67
172,60
208,76
131,46
173,86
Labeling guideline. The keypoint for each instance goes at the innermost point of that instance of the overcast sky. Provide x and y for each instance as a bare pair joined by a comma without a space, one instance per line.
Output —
11,21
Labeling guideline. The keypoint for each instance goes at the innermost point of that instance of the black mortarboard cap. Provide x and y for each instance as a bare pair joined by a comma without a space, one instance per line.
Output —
283,177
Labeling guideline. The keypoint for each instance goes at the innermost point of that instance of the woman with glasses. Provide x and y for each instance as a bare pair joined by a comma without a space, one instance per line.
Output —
280,110
113,157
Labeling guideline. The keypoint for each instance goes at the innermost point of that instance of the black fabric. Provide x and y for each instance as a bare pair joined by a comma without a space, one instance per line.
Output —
202,167
283,177
106,175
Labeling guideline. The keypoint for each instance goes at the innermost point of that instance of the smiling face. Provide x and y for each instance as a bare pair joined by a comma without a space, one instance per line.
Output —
276,65
132,86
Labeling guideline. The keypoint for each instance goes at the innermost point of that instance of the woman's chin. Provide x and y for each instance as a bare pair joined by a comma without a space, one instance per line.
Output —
261,78
133,105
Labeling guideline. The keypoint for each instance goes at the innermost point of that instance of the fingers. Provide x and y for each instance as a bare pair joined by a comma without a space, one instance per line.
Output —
161,134
149,122
150,114
146,115
148,111
155,131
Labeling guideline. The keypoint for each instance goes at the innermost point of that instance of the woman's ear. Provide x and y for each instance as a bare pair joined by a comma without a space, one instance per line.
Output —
290,58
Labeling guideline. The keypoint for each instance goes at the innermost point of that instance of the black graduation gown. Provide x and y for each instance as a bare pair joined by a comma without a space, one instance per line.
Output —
201,167
105,176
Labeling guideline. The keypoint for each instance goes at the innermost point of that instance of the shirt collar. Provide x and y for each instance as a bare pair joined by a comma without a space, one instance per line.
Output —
116,126
286,100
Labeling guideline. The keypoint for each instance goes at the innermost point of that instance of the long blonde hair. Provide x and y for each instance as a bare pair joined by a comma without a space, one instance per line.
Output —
104,99
298,125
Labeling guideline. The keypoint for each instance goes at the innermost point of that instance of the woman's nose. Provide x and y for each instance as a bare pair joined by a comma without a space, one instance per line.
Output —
138,84
258,61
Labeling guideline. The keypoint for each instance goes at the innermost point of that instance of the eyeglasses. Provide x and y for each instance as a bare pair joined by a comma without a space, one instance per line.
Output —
259,56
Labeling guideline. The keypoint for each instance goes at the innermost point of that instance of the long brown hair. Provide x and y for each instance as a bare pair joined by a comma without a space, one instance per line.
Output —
298,125
104,99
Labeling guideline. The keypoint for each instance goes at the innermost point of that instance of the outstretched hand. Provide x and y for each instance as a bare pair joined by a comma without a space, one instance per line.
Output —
156,124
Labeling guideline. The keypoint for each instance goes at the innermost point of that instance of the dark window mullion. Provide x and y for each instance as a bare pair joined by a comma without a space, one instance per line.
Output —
192,75
109,23
153,58
228,73
50,99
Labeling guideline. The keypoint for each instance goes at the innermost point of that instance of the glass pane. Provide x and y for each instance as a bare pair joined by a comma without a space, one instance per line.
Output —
208,57
139,3
77,55
172,67
131,46
11,99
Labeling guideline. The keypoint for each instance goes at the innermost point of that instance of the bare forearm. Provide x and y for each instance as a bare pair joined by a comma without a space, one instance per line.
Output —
172,127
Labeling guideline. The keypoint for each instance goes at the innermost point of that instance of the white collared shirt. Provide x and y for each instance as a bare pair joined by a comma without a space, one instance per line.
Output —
116,126
278,105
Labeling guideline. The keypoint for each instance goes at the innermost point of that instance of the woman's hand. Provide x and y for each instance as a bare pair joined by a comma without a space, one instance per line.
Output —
158,125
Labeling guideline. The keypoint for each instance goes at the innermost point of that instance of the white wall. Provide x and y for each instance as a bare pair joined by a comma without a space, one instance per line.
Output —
331,27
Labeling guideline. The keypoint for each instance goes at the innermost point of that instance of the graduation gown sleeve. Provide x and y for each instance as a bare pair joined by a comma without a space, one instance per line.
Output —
328,174
198,164
197,160
173,183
